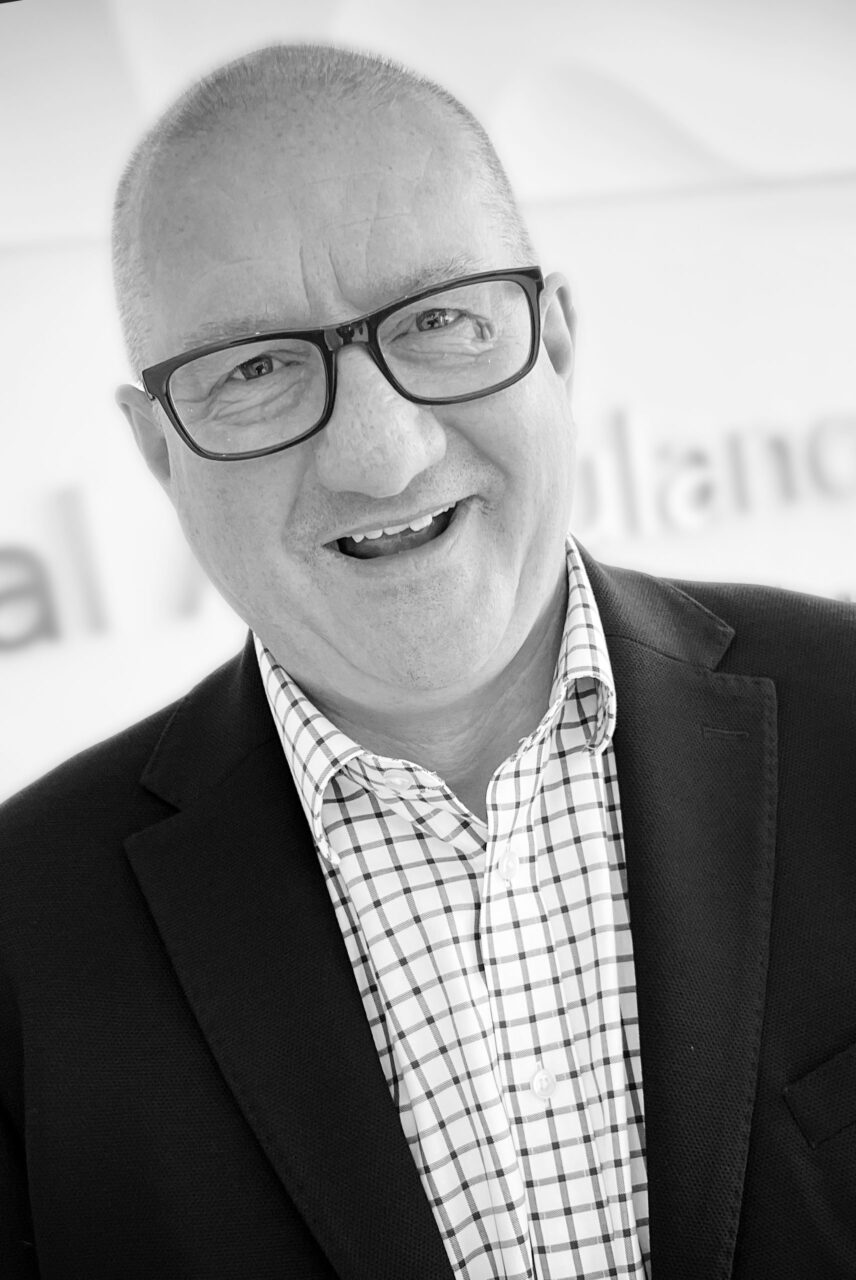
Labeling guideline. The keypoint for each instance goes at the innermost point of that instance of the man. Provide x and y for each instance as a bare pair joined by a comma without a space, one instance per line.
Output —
491,915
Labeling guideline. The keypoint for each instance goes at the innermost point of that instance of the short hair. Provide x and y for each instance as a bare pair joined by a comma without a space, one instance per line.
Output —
276,71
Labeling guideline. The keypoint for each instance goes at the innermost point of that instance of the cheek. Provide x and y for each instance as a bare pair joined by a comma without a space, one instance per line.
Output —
551,410
547,457
536,437
501,429
223,515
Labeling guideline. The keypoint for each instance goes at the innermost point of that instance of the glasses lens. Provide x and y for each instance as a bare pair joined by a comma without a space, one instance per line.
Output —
251,396
464,339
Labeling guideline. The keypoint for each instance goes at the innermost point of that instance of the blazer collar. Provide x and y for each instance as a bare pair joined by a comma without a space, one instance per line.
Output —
235,888
212,730
657,615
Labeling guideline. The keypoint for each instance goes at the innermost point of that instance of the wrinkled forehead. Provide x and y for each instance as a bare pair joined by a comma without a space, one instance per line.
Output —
309,219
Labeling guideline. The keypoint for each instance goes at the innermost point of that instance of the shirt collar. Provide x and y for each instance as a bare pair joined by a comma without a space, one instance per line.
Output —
583,655
316,750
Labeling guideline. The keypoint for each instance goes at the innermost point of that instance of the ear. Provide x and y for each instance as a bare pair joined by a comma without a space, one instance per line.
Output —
141,413
559,325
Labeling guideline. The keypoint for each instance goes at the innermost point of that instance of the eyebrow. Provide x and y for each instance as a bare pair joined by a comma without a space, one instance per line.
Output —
392,287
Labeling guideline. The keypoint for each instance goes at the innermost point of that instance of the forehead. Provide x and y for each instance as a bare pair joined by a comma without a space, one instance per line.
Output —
312,220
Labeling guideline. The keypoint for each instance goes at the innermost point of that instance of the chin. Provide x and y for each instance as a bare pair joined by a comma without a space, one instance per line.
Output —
443,668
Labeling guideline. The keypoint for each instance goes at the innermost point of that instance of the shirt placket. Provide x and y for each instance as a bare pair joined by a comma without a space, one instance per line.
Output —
582,889
520,980
469,1166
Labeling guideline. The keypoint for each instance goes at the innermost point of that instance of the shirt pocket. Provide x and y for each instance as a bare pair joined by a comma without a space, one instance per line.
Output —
823,1102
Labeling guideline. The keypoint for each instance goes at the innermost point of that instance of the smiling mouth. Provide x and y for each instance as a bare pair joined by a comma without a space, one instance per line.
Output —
392,544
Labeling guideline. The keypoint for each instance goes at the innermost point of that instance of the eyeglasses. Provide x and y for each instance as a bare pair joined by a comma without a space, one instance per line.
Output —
257,395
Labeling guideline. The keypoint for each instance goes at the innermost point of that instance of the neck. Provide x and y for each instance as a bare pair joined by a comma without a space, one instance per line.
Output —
465,738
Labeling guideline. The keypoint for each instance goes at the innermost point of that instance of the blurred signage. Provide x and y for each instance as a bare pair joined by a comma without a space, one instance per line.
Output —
30,606
630,484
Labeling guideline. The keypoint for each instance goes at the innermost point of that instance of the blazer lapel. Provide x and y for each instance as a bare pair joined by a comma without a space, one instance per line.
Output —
234,886
696,759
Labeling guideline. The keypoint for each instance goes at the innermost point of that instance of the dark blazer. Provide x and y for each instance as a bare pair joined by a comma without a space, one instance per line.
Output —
189,1086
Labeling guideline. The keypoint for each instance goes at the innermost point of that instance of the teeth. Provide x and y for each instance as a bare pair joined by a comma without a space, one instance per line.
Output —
420,524
416,525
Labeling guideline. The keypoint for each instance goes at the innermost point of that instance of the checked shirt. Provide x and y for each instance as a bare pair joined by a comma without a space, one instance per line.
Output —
495,965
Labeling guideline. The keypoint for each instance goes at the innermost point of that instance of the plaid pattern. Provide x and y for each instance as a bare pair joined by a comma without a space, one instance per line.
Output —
496,970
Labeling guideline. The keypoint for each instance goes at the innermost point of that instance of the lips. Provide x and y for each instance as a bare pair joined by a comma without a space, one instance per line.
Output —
391,544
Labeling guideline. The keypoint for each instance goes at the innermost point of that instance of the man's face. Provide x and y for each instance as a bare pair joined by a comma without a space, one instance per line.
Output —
300,228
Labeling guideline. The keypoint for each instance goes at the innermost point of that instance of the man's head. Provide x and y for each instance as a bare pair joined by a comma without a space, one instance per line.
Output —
302,187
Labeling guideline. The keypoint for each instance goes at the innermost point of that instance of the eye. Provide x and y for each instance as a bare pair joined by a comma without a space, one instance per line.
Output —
256,367
437,318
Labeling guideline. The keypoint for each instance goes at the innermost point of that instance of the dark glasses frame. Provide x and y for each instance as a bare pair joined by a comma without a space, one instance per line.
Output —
330,340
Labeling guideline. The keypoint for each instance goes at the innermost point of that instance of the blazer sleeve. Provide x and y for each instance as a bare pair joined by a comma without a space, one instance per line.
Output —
17,1244
18,1259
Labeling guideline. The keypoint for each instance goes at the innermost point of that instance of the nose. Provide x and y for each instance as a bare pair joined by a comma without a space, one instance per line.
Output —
375,442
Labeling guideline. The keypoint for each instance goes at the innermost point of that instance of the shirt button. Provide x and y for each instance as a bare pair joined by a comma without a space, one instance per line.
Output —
508,865
543,1083
398,779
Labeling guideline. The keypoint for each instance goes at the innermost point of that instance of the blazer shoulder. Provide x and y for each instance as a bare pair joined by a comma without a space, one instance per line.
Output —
776,622
91,802
806,644
87,790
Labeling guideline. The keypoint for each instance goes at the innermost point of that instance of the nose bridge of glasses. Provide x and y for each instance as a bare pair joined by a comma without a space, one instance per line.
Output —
343,335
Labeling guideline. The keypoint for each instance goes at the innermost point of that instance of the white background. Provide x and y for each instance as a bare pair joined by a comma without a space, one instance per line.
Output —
689,164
